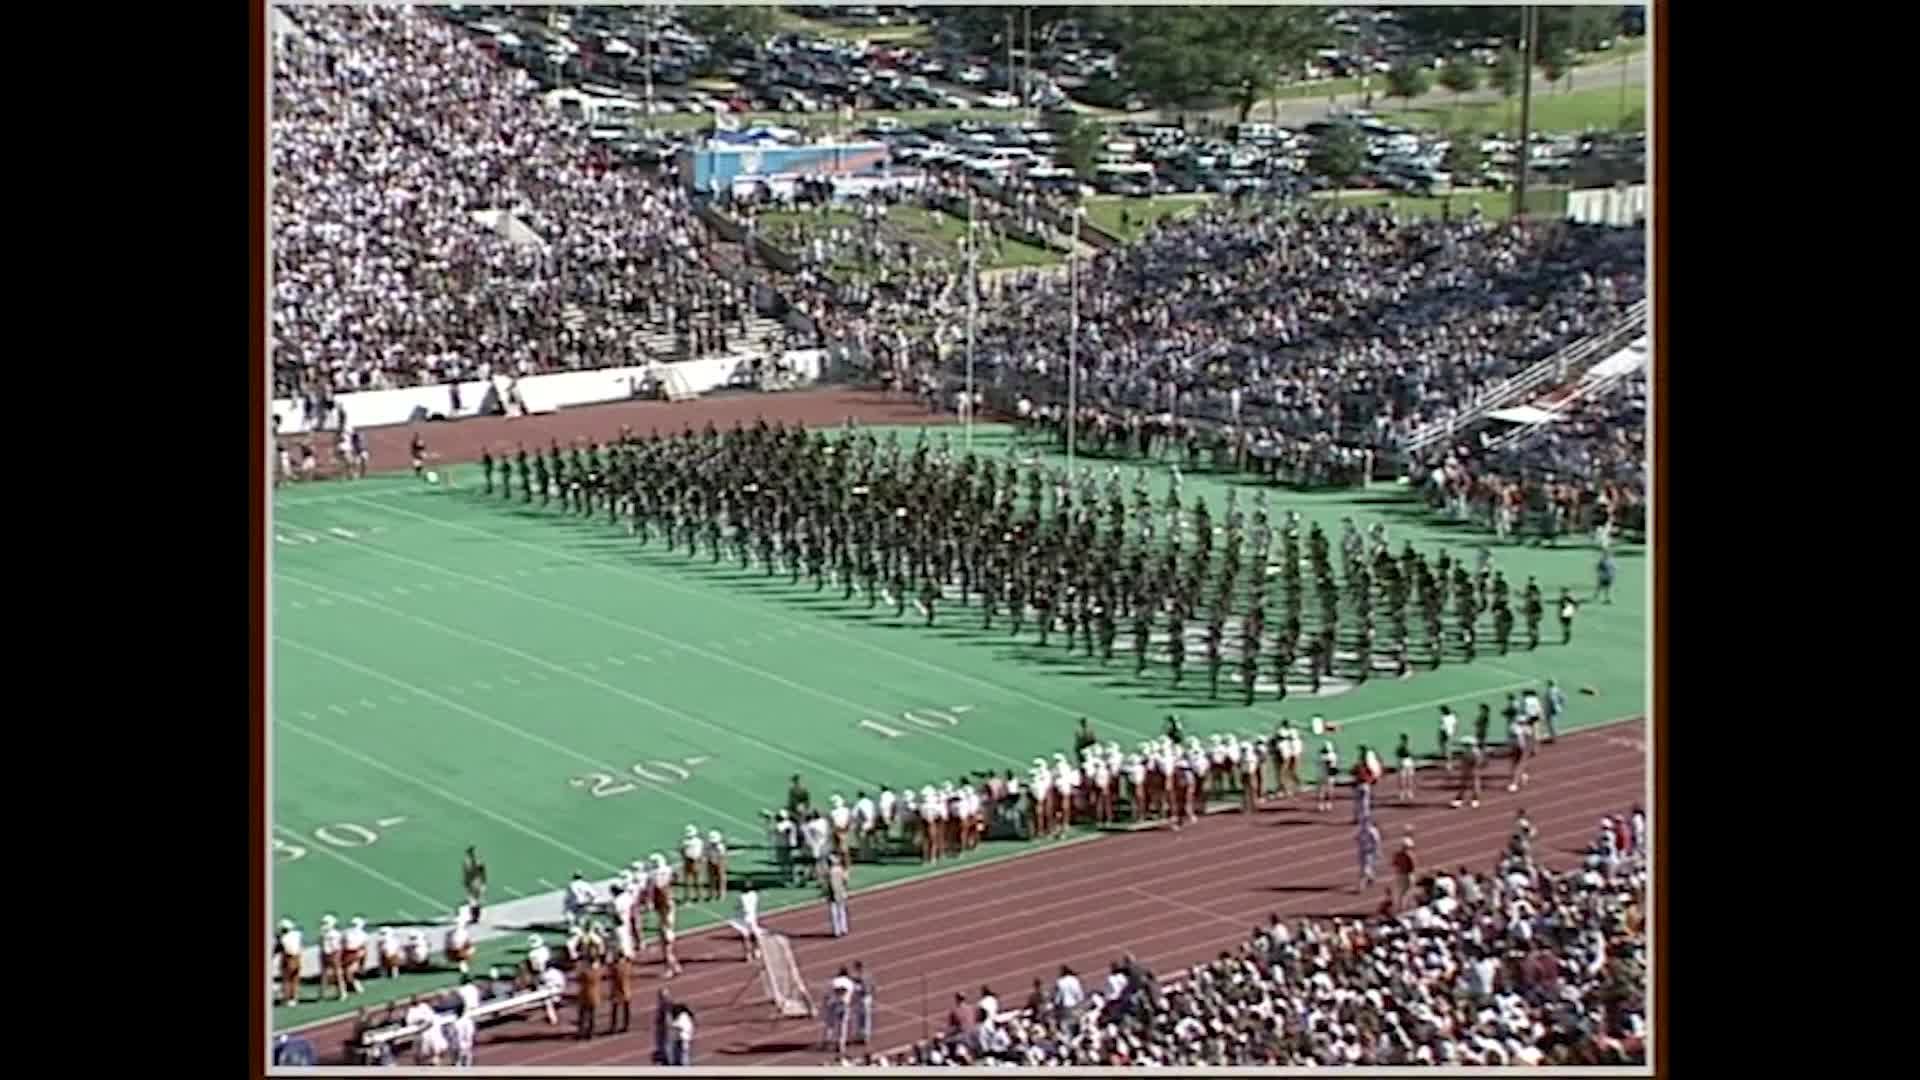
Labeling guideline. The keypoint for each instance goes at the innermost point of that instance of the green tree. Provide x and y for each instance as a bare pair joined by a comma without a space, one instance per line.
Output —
1463,157
1181,55
1338,155
1577,29
1461,76
1406,81
1505,75
744,20
1079,141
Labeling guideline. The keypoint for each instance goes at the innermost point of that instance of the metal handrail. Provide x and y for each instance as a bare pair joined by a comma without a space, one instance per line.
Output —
1552,368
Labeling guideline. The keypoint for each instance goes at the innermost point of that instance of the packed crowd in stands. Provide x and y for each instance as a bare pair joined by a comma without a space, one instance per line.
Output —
1313,331
1352,321
392,129
1518,965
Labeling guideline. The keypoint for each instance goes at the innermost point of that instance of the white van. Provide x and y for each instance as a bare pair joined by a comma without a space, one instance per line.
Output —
1258,132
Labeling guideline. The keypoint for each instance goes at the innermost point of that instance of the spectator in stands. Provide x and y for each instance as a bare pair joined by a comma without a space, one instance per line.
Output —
1517,966
680,1048
663,1026
460,1035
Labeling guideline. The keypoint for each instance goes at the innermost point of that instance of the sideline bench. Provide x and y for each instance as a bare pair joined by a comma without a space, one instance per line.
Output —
379,1043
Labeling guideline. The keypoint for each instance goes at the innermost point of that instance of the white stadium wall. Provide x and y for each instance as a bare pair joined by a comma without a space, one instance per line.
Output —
539,393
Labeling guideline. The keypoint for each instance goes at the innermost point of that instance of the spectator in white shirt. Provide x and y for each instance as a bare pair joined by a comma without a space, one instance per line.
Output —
461,1035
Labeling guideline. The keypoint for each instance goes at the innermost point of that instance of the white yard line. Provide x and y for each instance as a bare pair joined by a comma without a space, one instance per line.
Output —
760,611
541,740
668,710
709,654
457,800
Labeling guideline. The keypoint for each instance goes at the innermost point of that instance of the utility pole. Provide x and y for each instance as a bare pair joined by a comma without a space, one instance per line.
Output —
1073,333
646,44
1531,33
1026,84
1010,81
973,305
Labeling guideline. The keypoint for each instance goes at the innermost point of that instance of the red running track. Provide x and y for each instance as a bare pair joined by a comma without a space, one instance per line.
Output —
1171,899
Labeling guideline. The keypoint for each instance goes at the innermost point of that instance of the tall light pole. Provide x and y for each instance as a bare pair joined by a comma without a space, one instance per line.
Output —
646,44
973,306
1531,34
1073,332
1026,84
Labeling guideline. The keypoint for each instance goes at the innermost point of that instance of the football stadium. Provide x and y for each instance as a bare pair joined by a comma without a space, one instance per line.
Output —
882,535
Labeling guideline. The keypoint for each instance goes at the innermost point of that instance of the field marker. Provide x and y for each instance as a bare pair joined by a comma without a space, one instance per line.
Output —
298,605
309,716
694,762
389,822
513,892
364,868
366,704
589,665
344,534
400,590
396,699
643,659
547,883
451,797
536,676
424,586
522,732
522,571
323,602
616,661
771,748
510,680
457,688
338,709
407,915
478,685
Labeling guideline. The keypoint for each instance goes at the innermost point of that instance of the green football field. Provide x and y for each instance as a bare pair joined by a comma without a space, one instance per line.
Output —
449,670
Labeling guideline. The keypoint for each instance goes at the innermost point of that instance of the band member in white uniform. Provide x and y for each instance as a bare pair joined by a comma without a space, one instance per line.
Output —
353,953
1449,731
332,975
288,949
460,942
716,866
840,818
1251,752
888,804
1520,732
391,956
693,852
1137,785
866,823
1329,766
419,950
